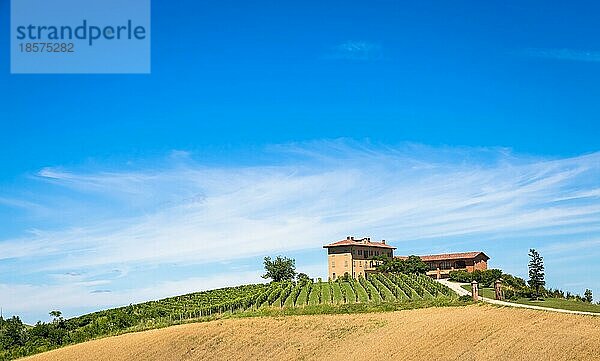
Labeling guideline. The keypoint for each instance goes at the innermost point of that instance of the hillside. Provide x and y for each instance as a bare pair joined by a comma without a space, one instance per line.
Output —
449,333
375,293
376,288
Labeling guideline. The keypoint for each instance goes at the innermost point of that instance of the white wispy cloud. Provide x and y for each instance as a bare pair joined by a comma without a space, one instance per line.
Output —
564,54
190,213
255,210
561,247
356,50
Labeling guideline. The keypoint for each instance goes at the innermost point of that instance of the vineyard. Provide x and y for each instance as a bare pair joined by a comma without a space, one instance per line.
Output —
376,288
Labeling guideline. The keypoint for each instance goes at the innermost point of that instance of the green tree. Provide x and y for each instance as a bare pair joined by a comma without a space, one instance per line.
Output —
486,278
344,278
588,296
303,278
12,333
280,269
536,272
387,264
414,264
411,265
514,282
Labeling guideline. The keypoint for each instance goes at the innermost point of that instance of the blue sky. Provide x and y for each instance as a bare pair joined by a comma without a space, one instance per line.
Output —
270,128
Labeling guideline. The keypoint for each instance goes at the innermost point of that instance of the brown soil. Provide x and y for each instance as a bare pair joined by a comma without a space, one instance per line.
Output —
456,333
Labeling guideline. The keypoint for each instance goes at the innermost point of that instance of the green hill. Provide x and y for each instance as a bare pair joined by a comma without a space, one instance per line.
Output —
376,292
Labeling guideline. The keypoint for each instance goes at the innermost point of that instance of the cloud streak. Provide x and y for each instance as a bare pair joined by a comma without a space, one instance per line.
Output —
356,50
565,54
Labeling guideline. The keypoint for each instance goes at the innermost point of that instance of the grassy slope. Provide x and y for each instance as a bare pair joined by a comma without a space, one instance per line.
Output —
424,334
572,305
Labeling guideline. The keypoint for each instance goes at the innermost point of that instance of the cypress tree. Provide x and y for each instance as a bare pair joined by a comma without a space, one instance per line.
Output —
536,272
588,296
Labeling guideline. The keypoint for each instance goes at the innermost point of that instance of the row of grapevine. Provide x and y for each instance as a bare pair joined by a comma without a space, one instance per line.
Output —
290,301
385,292
407,287
326,295
419,288
285,293
435,288
372,292
315,295
309,290
359,290
338,297
303,295
351,282
398,292
349,296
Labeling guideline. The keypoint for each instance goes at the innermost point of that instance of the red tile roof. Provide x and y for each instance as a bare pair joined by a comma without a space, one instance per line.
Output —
449,256
359,242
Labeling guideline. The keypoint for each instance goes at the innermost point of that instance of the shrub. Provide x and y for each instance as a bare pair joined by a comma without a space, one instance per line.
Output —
485,278
465,298
411,265
488,277
461,276
303,278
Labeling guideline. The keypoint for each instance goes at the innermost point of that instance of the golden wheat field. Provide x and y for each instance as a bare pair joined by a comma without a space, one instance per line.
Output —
454,333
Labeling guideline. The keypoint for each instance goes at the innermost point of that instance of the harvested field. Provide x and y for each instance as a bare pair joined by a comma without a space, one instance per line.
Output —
453,333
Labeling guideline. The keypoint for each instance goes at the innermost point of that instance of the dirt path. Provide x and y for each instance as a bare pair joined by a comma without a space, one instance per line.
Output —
457,287
476,332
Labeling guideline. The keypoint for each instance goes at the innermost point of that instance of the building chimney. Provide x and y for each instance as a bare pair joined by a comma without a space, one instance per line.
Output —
383,241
